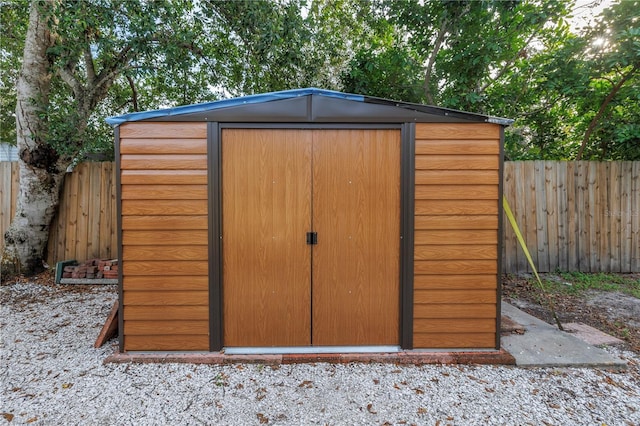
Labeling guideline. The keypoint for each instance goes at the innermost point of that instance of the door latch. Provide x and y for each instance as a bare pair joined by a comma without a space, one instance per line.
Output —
312,238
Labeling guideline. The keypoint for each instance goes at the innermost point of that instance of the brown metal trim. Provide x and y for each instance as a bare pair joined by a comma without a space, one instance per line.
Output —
407,207
312,126
407,179
500,241
119,239
214,176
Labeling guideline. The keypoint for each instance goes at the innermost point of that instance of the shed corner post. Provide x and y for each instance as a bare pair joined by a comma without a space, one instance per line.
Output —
500,240
214,208
407,208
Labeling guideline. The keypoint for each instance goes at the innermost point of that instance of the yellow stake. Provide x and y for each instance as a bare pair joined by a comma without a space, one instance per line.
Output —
514,225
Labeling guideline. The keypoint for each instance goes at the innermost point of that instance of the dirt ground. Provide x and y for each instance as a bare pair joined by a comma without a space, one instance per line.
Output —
614,313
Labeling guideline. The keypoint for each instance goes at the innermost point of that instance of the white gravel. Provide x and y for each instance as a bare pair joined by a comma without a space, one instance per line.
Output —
51,375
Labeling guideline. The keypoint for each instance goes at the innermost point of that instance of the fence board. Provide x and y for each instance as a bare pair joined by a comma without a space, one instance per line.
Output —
6,196
582,226
571,223
551,215
541,216
562,180
594,206
577,216
635,217
626,172
520,215
82,234
106,184
93,228
510,245
613,217
531,212
602,225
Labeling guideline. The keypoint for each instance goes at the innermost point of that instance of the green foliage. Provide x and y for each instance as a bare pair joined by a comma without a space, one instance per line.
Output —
97,42
116,56
388,72
469,46
515,59
385,67
13,22
612,55
579,282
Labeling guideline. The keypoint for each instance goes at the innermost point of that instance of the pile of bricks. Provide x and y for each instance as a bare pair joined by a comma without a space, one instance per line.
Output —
93,269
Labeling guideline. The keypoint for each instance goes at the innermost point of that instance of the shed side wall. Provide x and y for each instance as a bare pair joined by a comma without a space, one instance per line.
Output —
163,175
456,235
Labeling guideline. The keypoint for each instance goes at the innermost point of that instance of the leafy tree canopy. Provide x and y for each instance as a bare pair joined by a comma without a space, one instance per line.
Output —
110,57
570,94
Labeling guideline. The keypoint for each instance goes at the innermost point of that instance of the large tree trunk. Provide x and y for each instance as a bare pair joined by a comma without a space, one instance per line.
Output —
41,169
26,239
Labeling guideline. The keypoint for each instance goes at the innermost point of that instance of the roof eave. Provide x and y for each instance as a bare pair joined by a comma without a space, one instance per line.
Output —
199,110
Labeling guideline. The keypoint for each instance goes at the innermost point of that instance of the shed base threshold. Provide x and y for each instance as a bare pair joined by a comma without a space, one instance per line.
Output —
310,350
416,357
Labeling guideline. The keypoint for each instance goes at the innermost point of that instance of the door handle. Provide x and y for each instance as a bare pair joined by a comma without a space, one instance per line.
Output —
312,238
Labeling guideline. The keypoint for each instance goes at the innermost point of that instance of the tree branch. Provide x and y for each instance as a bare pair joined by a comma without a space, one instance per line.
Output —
444,26
98,87
134,98
66,73
508,65
594,121
88,62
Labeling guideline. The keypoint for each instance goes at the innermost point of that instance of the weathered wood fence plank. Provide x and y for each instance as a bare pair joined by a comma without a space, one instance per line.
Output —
84,226
8,192
575,216
635,217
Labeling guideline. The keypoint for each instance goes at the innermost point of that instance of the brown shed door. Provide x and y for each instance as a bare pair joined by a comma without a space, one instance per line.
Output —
356,212
277,186
266,187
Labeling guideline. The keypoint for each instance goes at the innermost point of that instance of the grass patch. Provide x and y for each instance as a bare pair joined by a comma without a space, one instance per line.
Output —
579,282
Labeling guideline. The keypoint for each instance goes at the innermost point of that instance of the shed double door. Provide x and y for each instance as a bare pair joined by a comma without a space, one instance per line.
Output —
278,186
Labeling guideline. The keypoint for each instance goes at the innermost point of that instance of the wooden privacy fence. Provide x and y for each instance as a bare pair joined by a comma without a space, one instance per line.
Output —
85,226
575,216
8,195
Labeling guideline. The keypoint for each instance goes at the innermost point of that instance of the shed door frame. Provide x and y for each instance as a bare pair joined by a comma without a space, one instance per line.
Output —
407,179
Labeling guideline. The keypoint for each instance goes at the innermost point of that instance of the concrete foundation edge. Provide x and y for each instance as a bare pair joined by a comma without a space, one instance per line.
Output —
500,357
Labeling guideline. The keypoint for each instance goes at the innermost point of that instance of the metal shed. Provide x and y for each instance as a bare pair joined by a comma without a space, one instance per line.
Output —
307,221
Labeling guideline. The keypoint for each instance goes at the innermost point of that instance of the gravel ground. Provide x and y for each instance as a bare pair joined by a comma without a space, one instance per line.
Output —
51,374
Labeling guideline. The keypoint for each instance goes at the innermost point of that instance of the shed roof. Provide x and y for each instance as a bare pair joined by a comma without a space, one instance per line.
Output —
310,105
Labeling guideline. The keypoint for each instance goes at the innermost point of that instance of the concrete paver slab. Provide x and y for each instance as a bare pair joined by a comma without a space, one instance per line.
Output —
591,335
543,345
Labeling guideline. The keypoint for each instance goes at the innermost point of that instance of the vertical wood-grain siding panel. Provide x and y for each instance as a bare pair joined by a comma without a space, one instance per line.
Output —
456,242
